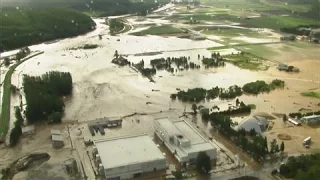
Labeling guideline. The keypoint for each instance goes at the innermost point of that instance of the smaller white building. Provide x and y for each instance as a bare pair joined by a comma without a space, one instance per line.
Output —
28,130
128,157
311,120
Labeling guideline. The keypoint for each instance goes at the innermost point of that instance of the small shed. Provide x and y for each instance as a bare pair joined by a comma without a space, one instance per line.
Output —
28,130
55,132
57,141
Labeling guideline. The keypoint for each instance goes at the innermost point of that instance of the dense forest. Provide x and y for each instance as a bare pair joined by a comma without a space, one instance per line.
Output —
102,7
43,95
305,167
29,26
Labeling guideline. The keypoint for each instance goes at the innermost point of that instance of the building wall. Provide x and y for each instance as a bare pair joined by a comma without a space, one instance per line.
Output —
127,172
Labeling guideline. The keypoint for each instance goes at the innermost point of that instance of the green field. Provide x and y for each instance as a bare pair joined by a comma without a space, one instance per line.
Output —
311,94
246,61
159,30
259,50
233,32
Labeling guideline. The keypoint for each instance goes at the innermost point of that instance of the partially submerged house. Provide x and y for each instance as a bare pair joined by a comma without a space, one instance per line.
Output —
311,120
284,67
288,38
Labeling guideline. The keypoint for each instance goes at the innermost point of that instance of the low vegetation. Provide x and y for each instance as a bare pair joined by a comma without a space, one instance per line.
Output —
301,167
44,95
246,60
115,26
313,94
159,30
31,26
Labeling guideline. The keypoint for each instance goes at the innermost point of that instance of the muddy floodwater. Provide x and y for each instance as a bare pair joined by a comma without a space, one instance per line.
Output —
104,89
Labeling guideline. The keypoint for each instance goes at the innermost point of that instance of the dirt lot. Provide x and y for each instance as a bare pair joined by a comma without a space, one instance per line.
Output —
297,133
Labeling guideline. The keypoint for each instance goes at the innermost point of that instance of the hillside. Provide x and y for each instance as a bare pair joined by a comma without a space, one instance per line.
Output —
94,7
24,26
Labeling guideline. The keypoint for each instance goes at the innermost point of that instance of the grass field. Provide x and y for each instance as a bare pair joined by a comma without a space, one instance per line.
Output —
259,50
159,30
311,94
246,61
6,98
233,32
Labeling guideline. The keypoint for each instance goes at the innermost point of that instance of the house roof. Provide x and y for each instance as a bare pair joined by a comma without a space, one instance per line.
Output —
253,122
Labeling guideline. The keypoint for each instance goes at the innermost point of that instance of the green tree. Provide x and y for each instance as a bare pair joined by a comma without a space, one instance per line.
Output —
55,117
203,163
177,174
282,146
284,118
274,147
6,61
116,54
194,108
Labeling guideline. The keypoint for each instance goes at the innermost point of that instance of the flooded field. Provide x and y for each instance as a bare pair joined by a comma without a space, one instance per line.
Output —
103,89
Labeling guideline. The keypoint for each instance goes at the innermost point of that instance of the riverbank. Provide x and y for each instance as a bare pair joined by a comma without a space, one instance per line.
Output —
6,96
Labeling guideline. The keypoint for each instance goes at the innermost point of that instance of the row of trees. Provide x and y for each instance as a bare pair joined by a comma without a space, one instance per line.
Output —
300,30
16,132
199,94
302,167
179,62
43,95
216,60
261,86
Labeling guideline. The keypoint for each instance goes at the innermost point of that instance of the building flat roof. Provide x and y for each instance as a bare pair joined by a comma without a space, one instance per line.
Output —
56,132
198,143
57,137
311,117
123,151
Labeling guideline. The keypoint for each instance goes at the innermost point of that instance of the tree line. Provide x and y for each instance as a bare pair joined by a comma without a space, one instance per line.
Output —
250,142
216,60
43,95
199,94
180,63
16,132
261,86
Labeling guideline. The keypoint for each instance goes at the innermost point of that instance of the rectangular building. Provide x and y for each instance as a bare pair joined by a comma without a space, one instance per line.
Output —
311,120
128,157
183,140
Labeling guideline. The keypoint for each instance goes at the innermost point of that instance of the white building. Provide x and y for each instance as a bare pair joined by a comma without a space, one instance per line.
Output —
128,157
311,120
258,123
183,140
28,130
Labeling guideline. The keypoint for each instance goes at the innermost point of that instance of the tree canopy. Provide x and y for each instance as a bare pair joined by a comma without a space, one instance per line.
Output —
43,95
203,163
